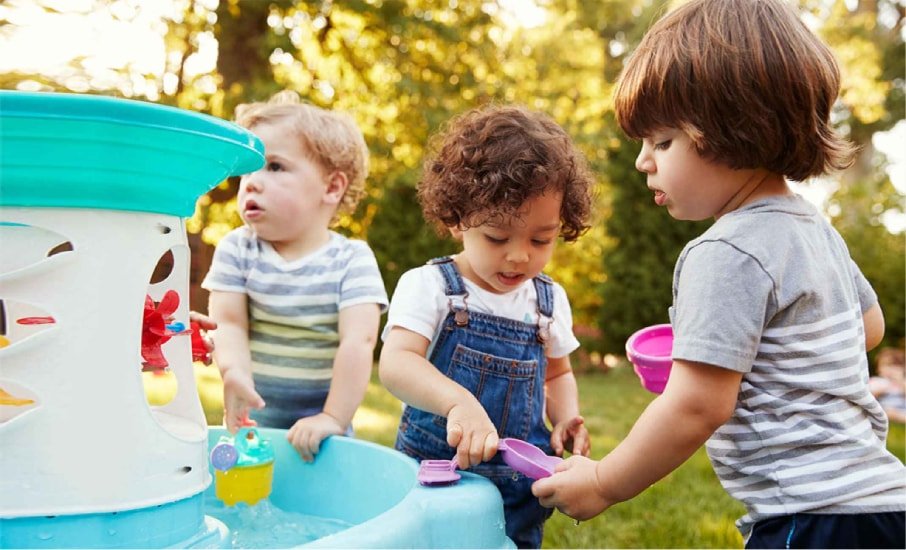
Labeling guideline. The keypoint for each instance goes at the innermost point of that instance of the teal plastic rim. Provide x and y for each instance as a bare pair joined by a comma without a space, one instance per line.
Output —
88,151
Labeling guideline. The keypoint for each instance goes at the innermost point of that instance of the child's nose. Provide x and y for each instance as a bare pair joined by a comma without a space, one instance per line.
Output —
644,163
251,182
517,254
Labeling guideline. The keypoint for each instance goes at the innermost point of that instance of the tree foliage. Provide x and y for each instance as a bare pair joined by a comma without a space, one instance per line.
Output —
403,67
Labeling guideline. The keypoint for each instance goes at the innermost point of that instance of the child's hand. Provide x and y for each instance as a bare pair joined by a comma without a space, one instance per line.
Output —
571,435
205,323
573,489
239,396
307,433
471,431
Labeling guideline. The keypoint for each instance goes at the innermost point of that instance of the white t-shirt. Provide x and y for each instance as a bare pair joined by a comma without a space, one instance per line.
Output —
420,305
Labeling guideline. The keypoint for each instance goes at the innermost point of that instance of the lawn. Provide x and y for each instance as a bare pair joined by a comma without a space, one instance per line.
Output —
687,509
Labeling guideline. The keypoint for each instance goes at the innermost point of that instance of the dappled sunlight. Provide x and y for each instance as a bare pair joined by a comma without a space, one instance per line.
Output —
367,419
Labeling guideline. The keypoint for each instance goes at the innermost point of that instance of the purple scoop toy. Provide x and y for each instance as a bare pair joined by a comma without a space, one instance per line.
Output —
527,459
519,455
650,351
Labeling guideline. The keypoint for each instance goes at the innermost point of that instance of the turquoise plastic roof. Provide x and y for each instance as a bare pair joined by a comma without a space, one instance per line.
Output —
85,151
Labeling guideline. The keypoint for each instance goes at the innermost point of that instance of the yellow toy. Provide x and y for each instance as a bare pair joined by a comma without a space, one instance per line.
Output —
243,468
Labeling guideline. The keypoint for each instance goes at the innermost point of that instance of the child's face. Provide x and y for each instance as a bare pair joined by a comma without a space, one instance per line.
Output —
691,187
892,371
499,257
282,200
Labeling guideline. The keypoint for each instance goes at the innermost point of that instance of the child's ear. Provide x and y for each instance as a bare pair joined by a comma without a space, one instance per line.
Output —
456,232
337,182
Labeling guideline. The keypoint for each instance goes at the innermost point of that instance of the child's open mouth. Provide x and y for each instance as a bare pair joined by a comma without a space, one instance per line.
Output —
509,279
659,197
252,210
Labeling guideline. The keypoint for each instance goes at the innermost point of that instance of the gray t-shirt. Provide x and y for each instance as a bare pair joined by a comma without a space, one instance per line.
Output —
771,291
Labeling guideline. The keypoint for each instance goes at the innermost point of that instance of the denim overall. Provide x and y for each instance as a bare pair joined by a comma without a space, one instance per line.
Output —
502,362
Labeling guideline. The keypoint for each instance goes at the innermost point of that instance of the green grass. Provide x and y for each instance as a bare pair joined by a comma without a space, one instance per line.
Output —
687,509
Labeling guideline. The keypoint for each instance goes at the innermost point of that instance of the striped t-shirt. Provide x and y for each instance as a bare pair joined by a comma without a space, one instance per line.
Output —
770,291
294,307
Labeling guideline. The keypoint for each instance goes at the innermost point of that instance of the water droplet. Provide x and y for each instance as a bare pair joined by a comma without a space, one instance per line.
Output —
45,536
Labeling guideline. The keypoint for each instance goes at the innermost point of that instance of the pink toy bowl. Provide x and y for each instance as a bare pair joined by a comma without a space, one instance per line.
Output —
649,350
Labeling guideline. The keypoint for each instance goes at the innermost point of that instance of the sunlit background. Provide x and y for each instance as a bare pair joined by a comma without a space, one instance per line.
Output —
402,67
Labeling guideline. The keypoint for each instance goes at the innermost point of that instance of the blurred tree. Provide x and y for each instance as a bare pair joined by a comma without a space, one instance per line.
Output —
881,255
867,37
403,67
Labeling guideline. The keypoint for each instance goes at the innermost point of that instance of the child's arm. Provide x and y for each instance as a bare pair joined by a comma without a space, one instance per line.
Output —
698,399
562,404
408,375
233,358
873,321
358,326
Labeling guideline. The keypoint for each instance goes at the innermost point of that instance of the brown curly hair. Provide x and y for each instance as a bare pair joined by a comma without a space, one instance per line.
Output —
485,164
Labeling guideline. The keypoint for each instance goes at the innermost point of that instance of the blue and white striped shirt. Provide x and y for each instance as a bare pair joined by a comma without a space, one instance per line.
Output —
294,305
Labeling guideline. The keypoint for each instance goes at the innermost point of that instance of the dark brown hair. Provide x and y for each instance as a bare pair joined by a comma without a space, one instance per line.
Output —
488,162
745,79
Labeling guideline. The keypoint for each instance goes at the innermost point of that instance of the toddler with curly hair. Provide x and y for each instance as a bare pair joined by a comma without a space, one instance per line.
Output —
477,345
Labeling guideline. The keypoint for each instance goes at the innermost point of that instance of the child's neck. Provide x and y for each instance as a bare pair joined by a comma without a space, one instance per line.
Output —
301,246
757,184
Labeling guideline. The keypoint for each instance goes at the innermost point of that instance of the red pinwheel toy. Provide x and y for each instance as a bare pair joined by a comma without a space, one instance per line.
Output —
155,331
158,327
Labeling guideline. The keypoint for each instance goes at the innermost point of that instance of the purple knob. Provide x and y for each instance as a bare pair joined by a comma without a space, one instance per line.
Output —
224,456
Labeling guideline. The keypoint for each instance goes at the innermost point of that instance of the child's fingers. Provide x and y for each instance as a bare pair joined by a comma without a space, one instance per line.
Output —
233,422
454,434
490,446
559,436
463,451
246,422
251,399
203,321
581,445
299,436
574,423
477,449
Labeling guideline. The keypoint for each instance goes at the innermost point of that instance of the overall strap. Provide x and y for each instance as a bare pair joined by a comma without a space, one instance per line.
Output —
453,285
544,289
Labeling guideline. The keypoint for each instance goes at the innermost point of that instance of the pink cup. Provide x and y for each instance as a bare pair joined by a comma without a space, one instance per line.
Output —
649,350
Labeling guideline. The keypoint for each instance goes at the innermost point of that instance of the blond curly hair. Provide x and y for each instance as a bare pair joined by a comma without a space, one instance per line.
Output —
332,138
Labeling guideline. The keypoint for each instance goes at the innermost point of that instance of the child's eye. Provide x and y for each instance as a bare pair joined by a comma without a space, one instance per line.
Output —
541,242
494,240
663,145
274,167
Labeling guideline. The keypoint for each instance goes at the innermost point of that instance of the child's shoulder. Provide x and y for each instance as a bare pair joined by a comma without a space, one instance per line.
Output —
766,225
241,239
348,245
424,281
241,233
426,273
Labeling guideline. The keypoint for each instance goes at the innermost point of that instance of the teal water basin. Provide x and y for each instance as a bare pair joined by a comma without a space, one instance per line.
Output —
373,490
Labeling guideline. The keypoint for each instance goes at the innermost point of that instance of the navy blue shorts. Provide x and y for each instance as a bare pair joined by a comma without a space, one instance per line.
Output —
881,530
